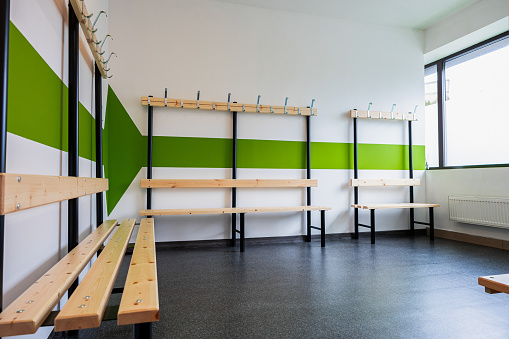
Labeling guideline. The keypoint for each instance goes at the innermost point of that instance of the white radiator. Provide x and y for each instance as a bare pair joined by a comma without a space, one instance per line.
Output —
487,211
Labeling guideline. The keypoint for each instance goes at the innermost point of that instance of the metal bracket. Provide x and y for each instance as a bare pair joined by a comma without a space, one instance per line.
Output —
356,112
286,102
229,94
392,111
312,104
369,113
149,99
181,103
213,106
198,100
415,110
258,104
166,97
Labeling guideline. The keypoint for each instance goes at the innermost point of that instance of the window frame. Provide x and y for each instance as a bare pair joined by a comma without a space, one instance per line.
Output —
440,64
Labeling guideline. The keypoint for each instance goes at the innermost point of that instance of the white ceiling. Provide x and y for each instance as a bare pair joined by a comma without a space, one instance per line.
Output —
418,14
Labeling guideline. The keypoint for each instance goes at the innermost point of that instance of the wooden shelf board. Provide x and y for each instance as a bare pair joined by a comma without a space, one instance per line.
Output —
384,182
386,206
229,210
383,115
211,183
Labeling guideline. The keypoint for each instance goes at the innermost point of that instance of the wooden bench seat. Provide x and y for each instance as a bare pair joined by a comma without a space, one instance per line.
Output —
495,283
230,210
27,313
397,205
227,183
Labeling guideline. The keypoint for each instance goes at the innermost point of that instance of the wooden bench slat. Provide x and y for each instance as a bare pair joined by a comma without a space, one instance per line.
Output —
495,283
384,182
210,183
140,300
38,300
22,191
85,308
187,211
383,115
403,205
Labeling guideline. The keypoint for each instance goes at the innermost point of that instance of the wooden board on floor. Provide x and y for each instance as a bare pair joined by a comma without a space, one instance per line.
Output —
206,183
382,115
140,300
229,210
85,308
26,314
384,182
495,283
385,206
223,106
23,191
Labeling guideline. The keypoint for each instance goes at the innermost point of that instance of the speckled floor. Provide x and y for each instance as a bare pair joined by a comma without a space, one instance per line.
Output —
398,288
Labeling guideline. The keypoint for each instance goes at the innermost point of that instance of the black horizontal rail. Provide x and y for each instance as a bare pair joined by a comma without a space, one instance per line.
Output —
367,226
422,223
316,228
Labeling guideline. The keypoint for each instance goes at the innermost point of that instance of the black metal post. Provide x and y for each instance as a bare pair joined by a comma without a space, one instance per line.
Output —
98,143
372,226
142,331
322,227
234,176
308,175
149,160
431,225
73,111
355,176
411,174
4,55
242,228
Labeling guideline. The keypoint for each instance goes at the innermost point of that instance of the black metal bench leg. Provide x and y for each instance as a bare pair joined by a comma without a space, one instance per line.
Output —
431,225
372,226
142,331
412,224
234,229
308,221
322,227
242,220
356,229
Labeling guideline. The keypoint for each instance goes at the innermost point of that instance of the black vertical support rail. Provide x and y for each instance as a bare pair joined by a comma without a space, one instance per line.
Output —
308,175
355,176
98,143
5,17
149,151
441,92
73,111
234,176
411,174
242,229
431,225
372,226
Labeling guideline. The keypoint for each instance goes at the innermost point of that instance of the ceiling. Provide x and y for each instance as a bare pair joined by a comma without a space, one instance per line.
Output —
418,14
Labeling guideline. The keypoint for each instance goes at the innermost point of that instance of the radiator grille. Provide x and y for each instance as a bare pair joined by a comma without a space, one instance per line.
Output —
487,211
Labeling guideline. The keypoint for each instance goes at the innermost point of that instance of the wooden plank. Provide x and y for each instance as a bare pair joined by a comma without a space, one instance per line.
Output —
382,115
140,300
495,283
210,183
22,191
384,182
403,205
186,211
26,314
86,26
85,308
223,106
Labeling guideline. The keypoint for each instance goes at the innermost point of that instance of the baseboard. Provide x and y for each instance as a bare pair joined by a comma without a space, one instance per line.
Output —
285,239
472,239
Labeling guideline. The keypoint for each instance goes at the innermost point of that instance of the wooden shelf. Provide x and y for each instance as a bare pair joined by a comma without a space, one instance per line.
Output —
87,28
402,205
384,182
229,210
211,183
223,106
382,115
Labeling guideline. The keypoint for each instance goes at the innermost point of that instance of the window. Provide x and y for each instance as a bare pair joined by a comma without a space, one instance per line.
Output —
467,116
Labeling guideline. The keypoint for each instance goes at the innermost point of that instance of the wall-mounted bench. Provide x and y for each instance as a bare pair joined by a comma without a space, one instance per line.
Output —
236,183
410,182
495,283
87,305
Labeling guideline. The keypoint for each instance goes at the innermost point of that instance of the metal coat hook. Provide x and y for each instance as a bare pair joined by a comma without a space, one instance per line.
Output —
98,15
243,108
312,104
213,106
107,70
369,107
198,100
298,110
106,62
181,103
166,97
110,76
149,99
229,94
356,113
101,52
392,111
286,102
258,104
415,110
271,110
104,40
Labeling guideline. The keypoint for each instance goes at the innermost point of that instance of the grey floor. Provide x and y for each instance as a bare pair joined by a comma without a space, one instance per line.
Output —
398,288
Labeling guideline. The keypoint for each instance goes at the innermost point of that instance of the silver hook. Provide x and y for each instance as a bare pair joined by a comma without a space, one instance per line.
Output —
258,104
181,103
415,110
369,107
312,104
271,110
356,113
286,102
229,94
298,111
101,52
106,62
198,100
392,111
149,99
98,15
243,108
166,97
104,40
213,106
110,76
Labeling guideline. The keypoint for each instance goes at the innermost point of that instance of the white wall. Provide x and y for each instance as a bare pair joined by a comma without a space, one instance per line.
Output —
36,239
217,47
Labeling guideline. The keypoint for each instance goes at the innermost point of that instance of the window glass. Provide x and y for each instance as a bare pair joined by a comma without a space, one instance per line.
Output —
431,116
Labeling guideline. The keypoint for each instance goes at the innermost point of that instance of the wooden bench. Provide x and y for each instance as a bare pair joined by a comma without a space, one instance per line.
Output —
372,207
495,283
87,305
237,183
